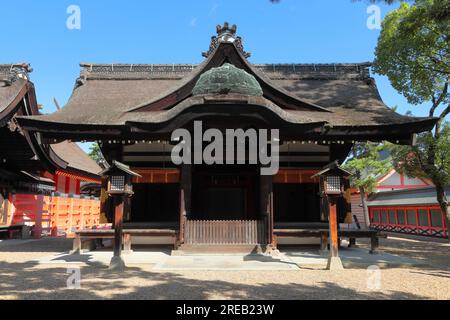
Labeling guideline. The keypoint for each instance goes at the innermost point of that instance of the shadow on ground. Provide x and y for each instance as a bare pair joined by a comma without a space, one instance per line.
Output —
28,281
49,282
50,245
435,252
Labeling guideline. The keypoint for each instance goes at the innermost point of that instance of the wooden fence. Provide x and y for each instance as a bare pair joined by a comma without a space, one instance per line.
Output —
214,232
30,210
53,215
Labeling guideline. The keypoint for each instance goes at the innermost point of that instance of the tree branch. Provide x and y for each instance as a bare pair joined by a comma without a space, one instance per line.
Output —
444,114
420,66
441,98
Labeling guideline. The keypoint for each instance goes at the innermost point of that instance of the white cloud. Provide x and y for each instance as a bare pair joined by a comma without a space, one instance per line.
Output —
213,9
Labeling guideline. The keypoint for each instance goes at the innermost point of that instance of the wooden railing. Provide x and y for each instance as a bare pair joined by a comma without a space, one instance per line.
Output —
53,215
69,215
215,232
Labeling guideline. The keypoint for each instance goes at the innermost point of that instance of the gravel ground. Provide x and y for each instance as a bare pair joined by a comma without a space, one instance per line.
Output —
433,251
22,279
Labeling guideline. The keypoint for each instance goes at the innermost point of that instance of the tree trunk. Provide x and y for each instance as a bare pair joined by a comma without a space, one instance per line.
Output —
362,193
440,189
443,203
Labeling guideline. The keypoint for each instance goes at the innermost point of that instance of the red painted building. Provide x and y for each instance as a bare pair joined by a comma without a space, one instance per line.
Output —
80,169
33,171
414,211
402,204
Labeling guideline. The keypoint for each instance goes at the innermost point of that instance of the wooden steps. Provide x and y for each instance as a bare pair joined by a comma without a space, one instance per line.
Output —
187,249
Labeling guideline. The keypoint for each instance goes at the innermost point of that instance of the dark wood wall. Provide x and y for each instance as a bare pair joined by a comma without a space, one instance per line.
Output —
296,202
225,193
155,203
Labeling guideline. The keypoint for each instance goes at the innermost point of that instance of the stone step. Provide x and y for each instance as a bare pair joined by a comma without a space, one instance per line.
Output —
218,249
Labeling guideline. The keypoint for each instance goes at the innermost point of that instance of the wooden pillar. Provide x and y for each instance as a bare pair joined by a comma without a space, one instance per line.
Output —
266,197
127,244
334,262
76,245
105,203
323,243
3,208
67,185
334,238
70,216
38,217
54,214
185,198
78,187
117,262
11,208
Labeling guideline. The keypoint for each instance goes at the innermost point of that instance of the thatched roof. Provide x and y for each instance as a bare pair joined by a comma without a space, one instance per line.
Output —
335,95
76,158
14,87
105,93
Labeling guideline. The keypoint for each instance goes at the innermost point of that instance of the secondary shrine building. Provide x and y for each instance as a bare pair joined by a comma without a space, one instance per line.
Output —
320,111
38,179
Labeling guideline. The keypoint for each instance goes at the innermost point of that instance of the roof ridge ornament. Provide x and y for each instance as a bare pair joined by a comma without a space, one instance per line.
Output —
226,34
15,72
21,70
227,79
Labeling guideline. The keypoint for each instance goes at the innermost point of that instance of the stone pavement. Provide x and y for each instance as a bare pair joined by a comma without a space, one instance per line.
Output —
288,260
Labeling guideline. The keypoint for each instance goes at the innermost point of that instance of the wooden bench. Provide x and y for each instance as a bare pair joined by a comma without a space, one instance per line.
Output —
373,235
323,234
22,229
95,234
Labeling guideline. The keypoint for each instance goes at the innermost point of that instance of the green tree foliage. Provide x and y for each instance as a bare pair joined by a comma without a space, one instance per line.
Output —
384,1
366,165
95,153
414,53
413,160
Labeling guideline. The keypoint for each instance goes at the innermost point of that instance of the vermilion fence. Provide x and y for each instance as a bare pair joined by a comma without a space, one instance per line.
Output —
421,220
53,215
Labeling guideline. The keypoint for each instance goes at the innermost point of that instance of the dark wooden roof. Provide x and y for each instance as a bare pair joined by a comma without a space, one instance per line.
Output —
21,150
334,168
76,158
118,167
340,98
13,88
25,181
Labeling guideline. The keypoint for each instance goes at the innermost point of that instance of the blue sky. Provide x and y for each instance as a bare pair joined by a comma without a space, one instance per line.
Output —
175,31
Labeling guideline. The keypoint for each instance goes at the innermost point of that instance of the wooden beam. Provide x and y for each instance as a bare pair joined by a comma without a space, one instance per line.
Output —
117,262
4,206
127,243
37,230
185,198
266,202
334,262
118,225
161,176
334,245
